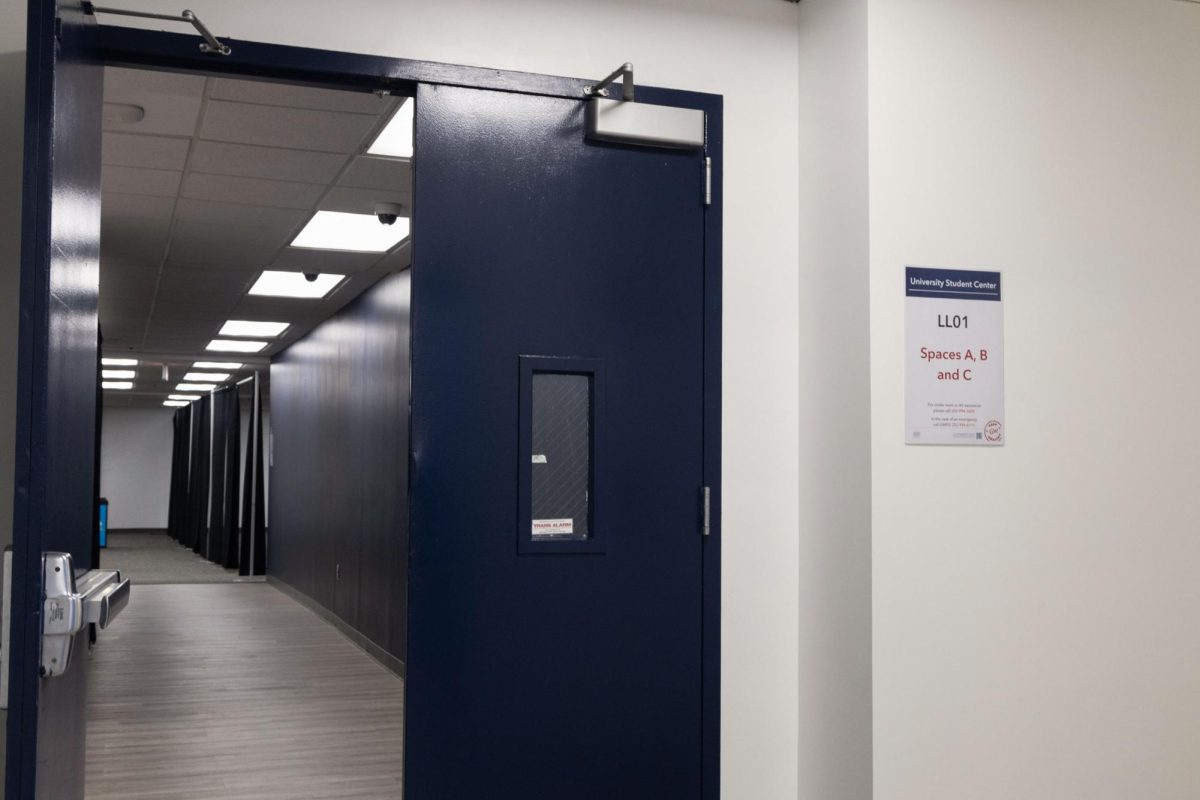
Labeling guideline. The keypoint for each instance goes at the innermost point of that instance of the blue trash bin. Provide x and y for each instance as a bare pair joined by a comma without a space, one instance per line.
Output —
103,522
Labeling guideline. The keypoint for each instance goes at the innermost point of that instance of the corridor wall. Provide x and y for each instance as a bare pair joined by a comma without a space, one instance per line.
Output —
339,485
835,416
1036,606
135,466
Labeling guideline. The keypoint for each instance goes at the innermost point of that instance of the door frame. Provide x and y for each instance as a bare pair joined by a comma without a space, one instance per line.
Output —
132,47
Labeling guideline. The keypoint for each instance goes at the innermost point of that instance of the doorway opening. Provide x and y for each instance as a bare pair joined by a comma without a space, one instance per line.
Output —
246,224
567,648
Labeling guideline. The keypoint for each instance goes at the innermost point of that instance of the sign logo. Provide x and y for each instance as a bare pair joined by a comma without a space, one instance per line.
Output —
991,431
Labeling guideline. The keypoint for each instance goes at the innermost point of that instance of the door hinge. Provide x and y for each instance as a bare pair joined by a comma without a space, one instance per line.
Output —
707,181
705,510
58,29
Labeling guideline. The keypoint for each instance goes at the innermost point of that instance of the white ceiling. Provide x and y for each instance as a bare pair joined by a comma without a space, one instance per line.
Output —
207,190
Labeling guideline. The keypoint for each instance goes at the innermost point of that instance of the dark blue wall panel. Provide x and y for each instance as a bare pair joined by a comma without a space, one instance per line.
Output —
339,474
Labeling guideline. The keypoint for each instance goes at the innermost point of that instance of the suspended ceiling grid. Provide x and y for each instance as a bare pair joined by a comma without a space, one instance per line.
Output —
206,190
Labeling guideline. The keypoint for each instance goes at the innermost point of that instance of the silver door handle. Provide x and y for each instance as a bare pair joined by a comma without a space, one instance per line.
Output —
97,596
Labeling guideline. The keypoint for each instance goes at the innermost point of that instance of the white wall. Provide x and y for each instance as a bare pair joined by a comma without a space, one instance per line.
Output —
835,422
1037,606
135,466
746,51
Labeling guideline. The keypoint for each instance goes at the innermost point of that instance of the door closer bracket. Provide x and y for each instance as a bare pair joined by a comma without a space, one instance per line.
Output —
625,73
210,45
644,124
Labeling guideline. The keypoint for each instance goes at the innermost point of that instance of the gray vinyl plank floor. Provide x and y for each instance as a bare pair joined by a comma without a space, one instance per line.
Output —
235,691
154,557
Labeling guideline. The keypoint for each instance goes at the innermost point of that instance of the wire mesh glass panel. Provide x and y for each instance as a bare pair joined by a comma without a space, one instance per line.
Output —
562,456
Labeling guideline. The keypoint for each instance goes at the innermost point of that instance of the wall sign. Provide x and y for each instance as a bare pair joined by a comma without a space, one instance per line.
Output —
954,365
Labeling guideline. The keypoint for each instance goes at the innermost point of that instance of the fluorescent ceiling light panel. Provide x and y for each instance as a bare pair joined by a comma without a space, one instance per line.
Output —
206,377
119,362
176,403
217,365
183,397
235,346
195,387
116,384
247,327
118,374
359,233
273,283
396,138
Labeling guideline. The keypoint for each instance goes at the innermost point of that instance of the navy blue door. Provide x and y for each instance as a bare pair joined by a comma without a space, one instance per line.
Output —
555,600
56,413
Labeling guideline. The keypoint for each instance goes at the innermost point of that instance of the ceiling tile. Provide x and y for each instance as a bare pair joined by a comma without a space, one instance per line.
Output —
237,214
179,342
132,300
129,304
294,310
247,269
122,80
117,336
128,274
175,344
251,161
301,129
298,259
255,191
118,205
135,180
133,304
116,330
157,152
170,100
206,282
130,346
283,94
362,201
174,311
372,172
196,242
138,240
174,314
180,331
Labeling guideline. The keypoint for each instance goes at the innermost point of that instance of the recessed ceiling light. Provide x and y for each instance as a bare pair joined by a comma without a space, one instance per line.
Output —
118,373
183,397
247,327
195,387
217,365
176,403
273,283
206,377
116,384
119,362
396,138
235,346
360,233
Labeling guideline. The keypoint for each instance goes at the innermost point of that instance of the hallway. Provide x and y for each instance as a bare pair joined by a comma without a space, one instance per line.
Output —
235,691
154,557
